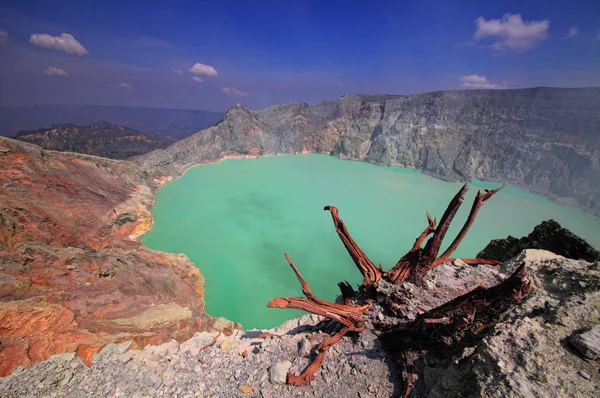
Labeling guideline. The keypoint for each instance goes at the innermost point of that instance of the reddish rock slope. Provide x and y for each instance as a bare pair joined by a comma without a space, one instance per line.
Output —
73,276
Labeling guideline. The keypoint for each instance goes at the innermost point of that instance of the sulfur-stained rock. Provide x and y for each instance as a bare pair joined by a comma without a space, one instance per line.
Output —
76,278
225,345
245,388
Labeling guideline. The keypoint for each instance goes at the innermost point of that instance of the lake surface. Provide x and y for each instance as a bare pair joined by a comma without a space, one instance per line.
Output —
235,219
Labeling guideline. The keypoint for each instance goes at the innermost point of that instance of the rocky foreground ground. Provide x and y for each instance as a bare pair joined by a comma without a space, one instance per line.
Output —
545,347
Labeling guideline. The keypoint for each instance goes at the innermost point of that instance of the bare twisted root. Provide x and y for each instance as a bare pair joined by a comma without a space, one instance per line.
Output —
350,316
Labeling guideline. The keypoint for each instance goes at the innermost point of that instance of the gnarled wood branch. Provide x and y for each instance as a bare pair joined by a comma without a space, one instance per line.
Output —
371,274
433,245
418,261
349,316
479,201
426,232
466,316
347,292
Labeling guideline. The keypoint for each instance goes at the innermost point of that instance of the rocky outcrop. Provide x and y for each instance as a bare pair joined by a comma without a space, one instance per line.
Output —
527,354
548,235
588,342
73,276
542,139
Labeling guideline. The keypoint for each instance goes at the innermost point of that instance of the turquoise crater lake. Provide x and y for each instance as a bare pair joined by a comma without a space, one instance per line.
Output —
235,219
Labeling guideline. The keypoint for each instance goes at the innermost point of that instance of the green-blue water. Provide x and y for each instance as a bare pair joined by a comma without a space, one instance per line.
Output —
236,218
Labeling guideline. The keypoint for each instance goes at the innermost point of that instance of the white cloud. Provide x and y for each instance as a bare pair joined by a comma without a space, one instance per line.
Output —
3,36
234,92
53,71
123,85
201,69
178,71
573,32
65,42
511,32
477,81
197,79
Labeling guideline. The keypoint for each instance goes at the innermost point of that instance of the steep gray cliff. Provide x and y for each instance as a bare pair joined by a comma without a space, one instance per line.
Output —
546,140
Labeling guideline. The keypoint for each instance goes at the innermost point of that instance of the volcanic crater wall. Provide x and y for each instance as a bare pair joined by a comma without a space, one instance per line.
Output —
545,140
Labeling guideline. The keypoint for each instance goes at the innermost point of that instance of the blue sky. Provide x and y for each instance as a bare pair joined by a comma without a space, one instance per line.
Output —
211,55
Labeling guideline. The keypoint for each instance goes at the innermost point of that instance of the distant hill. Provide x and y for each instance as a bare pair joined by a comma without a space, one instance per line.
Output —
177,123
100,139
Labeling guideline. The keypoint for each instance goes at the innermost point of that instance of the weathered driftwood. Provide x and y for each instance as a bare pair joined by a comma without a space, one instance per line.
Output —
350,316
464,317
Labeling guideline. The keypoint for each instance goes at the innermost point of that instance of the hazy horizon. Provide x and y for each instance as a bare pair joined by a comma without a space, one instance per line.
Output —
316,102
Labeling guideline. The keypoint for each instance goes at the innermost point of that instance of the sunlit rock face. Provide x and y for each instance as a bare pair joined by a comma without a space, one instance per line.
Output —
542,139
72,275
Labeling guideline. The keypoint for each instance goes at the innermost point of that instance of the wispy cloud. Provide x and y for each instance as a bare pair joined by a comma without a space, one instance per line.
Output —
3,36
573,32
511,33
53,71
197,79
598,35
123,85
178,71
478,81
65,42
234,92
202,69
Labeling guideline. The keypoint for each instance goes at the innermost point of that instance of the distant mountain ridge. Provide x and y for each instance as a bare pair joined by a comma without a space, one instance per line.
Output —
546,140
99,139
177,123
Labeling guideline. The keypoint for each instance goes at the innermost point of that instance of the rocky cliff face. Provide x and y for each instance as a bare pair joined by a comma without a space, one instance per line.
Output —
545,140
73,276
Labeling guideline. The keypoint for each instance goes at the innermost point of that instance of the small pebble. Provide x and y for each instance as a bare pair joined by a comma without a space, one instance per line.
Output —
584,375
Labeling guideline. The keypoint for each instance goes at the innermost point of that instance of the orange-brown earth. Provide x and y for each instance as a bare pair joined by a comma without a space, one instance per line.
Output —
73,276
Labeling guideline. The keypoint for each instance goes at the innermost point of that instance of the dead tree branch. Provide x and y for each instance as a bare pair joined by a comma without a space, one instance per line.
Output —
426,232
418,261
466,316
479,201
463,317
370,272
213,341
349,316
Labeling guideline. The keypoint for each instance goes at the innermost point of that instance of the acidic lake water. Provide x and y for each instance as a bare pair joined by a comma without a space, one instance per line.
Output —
235,220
